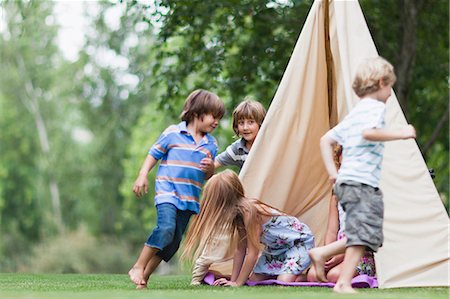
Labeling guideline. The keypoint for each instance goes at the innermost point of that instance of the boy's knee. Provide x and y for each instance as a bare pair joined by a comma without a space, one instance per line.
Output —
162,236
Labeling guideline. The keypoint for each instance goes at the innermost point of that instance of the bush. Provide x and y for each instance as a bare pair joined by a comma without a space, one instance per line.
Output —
79,252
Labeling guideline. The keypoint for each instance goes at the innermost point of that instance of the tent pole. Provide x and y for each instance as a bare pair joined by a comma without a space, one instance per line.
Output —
329,60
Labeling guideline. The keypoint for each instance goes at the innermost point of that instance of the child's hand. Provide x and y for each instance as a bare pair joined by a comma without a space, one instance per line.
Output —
231,284
409,132
332,178
335,260
207,165
140,186
225,282
220,281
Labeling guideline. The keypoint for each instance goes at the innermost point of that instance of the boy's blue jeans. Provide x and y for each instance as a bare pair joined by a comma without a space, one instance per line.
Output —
170,227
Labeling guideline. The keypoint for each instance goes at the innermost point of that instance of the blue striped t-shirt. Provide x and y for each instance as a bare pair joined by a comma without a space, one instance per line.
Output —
179,180
361,158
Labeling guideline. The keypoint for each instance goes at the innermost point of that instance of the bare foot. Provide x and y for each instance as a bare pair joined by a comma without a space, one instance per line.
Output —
344,289
141,286
318,262
137,276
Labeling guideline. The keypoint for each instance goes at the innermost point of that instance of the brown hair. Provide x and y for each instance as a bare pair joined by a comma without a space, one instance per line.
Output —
370,73
248,109
222,212
201,102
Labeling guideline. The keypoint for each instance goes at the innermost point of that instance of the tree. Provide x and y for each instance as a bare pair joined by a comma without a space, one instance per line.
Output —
235,47
28,53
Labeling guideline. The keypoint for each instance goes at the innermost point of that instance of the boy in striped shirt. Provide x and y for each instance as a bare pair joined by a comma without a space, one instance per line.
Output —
247,120
186,151
361,134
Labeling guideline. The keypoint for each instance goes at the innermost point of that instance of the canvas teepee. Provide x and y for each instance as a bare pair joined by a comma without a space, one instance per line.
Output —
285,168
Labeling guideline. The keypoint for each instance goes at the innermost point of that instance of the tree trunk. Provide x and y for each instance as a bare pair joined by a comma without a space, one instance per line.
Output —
442,121
406,56
32,104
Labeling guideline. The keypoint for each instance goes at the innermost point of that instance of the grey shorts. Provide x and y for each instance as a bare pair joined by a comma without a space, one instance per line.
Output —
364,209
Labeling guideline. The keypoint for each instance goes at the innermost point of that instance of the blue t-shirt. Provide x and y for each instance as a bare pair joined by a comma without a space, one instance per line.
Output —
179,180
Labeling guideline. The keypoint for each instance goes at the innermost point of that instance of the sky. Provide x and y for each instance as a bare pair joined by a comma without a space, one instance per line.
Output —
74,25
69,14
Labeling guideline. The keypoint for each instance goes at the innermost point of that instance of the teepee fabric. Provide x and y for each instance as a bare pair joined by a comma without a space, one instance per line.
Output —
285,169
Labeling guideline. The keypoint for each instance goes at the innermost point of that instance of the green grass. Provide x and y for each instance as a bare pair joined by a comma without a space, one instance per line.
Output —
113,286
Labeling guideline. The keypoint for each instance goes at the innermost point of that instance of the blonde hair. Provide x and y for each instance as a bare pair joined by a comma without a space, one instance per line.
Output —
223,210
370,73
201,102
248,109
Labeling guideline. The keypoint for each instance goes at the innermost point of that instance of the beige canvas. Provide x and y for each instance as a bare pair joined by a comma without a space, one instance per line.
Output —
285,168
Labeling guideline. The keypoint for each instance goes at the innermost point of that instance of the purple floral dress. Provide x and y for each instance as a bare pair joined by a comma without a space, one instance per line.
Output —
287,242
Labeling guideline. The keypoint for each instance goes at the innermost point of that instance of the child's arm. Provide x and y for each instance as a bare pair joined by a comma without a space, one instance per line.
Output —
243,263
389,134
252,254
238,259
326,147
248,265
217,164
141,184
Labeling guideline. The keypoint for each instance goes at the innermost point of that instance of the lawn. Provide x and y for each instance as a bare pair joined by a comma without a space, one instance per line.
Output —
113,286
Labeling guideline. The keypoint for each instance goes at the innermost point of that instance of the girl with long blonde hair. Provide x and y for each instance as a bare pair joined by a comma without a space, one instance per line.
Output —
252,226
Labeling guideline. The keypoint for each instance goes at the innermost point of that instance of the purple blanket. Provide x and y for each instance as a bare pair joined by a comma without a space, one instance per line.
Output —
360,281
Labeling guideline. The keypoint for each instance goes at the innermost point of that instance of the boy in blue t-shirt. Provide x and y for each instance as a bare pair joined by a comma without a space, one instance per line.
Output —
356,185
186,152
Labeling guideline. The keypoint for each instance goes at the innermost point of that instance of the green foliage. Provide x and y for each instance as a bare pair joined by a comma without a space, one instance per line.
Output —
18,148
27,58
238,48
441,161
79,252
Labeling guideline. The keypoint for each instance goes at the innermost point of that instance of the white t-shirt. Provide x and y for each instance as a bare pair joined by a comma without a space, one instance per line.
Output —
361,158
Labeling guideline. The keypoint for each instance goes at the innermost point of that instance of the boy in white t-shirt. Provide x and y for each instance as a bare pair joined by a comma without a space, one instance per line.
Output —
356,185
